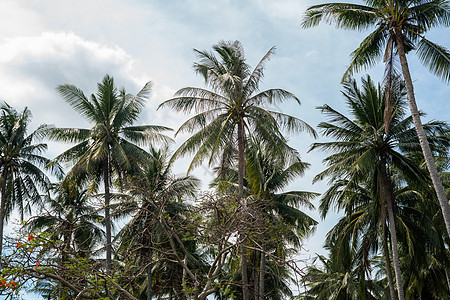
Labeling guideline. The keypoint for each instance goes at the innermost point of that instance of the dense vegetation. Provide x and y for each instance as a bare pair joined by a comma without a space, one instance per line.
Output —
118,224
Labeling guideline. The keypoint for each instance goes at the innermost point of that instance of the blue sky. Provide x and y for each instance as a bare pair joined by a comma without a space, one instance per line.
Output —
47,43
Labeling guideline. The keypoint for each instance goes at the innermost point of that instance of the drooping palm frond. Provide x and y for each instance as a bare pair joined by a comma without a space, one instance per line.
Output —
344,15
435,57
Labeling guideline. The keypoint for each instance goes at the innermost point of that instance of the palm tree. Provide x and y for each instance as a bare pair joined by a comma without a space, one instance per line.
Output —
422,251
157,192
72,220
400,26
112,146
231,111
362,147
21,163
340,277
280,223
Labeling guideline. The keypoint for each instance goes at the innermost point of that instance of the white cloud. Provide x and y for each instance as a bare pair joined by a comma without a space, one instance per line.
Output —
17,19
31,67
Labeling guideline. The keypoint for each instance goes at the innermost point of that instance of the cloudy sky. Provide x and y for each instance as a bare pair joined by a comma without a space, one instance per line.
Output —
51,42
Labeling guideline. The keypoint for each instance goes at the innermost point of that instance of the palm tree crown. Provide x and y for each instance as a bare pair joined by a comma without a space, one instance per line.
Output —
233,102
111,146
409,20
21,163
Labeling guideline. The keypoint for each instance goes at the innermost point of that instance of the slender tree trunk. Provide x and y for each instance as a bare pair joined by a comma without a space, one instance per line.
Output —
241,162
2,206
437,183
395,257
255,280
447,277
107,218
241,172
386,191
387,262
148,256
2,209
262,272
149,282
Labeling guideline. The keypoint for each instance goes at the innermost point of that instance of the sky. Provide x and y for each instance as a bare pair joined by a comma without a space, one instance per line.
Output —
47,43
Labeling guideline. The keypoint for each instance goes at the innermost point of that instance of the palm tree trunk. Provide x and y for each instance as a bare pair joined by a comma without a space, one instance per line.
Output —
262,271
437,183
107,218
241,171
387,262
395,257
2,206
241,162
447,277
148,256
2,217
149,282
386,191
255,279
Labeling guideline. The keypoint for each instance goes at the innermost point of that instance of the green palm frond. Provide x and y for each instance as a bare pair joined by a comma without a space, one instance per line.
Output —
145,134
292,124
344,15
76,98
368,53
209,133
131,108
199,121
271,96
68,135
429,14
257,74
435,57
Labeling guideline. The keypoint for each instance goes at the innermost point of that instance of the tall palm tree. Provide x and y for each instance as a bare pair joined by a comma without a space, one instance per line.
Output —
112,146
400,26
157,192
21,163
230,113
362,147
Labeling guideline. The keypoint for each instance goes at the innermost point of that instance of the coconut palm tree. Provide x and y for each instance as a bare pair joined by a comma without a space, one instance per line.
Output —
281,224
342,276
112,146
157,192
230,113
69,218
21,163
400,27
362,147
363,228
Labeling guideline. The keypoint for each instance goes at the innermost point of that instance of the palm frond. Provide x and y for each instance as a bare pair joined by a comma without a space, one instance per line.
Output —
345,15
435,57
